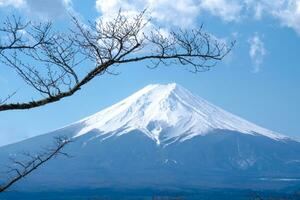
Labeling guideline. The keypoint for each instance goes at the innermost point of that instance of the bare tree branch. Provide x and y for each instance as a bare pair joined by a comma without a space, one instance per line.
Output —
58,65
21,169
2,101
14,31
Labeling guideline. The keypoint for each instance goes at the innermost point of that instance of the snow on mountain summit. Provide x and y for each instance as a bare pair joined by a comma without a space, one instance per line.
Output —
167,113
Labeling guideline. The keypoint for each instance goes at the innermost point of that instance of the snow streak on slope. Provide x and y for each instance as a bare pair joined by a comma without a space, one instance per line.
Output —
164,113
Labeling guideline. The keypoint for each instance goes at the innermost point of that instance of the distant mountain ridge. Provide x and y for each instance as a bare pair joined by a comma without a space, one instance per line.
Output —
164,136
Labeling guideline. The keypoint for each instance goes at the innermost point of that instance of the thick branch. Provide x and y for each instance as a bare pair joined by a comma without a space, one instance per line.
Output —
59,60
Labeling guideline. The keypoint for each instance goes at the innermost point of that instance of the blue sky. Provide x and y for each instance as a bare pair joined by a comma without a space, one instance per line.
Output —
259,80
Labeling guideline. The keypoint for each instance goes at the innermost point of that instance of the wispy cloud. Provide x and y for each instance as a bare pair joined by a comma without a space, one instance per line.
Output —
182,13
14,3
46,9
287,12
186,12
226,10
289,15
257,52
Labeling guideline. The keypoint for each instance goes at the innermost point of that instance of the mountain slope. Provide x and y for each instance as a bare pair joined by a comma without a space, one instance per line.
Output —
168,109
164,136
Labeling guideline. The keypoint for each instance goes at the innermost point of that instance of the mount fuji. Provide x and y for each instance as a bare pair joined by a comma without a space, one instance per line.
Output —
164,136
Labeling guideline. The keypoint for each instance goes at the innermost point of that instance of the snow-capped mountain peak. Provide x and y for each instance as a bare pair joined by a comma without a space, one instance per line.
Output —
167,113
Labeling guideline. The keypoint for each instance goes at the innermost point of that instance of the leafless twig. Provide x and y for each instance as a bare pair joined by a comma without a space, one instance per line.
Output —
20,169
57,65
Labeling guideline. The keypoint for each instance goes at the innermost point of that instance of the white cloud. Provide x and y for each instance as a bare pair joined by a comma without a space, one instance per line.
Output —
14,3
289,14
257,52
111,6
46,9
184,13
255,7
226,10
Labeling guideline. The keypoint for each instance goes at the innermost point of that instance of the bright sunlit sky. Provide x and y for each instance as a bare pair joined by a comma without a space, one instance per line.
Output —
258,81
